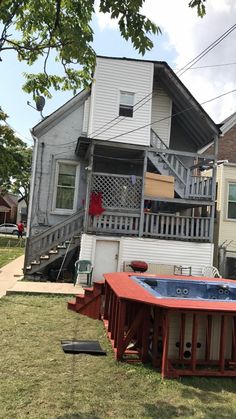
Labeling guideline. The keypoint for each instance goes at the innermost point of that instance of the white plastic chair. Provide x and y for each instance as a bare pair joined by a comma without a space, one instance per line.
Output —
211,272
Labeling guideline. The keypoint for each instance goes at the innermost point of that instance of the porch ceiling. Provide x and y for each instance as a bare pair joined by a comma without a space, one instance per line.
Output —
196,122
103,148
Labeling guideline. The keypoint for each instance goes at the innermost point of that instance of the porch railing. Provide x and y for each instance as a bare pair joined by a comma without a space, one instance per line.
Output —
176,227
200,187
195,187
40,244
155,225
111,222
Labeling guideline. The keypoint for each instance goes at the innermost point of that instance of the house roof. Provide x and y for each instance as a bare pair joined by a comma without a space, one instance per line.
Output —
4,203
228,123
186,109
51,120
10,199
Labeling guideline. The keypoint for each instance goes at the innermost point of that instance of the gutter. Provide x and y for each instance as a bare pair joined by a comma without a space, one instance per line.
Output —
32,183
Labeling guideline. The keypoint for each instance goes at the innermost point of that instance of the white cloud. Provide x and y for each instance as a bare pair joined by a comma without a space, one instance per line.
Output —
189,35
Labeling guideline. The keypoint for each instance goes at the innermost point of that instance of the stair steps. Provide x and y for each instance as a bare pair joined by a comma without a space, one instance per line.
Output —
89,303
53,243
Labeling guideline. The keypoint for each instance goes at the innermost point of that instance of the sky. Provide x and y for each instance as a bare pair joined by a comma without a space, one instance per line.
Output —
184,36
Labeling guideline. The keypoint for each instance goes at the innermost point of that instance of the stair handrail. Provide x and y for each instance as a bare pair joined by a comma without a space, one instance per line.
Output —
39,244
164,146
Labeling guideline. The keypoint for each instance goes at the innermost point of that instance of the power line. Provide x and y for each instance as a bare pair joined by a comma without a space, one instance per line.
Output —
171,116
211,65
205,51
133,112
183,69
114,119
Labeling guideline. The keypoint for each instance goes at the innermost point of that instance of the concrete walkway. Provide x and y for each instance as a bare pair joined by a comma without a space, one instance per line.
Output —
10,282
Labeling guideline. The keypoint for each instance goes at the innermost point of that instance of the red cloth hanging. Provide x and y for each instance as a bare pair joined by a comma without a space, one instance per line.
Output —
95,206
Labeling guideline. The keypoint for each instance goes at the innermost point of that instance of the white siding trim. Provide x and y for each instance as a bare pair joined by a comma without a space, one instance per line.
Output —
167,252
86,115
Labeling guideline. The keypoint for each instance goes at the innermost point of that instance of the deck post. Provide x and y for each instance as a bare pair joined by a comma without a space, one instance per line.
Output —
120,329
164,364
88,190
213,194
141,222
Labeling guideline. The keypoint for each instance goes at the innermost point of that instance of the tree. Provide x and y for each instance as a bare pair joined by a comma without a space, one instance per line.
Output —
15,161
62,29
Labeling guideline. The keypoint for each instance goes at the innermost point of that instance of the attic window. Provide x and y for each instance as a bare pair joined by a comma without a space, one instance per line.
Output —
126,104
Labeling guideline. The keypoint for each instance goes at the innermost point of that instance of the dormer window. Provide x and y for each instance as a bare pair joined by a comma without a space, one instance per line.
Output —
126,104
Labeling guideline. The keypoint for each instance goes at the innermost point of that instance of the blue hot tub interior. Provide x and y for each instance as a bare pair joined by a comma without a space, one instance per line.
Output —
191,289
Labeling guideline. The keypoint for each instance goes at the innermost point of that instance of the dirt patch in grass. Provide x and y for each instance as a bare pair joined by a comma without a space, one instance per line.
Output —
39,381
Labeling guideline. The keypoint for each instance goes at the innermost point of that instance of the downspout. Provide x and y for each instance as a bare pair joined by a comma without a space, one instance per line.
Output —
32,185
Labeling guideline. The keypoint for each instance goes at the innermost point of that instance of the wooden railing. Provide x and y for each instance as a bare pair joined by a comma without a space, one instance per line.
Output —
175,164
200,187
111,222
40,244
155,225
176,227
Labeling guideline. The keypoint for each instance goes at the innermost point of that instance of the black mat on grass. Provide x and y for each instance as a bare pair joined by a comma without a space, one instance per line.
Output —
90,347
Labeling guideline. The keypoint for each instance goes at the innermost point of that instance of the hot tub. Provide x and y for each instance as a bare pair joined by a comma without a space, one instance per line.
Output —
187,288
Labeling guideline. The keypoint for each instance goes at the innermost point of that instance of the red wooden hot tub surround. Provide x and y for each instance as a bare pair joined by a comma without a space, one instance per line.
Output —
142,327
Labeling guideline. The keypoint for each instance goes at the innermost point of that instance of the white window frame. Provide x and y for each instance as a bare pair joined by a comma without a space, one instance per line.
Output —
227,211
65,211
120,104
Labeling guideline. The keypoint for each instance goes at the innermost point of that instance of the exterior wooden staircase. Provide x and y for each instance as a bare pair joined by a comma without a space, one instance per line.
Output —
90,303
53,243
167,163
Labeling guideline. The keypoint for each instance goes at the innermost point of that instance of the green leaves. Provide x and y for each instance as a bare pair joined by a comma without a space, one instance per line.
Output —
60,30
201,8
15,160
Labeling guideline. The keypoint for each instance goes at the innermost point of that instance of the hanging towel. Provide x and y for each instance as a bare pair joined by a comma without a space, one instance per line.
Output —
95,206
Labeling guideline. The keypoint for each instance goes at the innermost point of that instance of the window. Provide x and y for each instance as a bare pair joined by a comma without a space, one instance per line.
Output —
126,104
65,186
232,201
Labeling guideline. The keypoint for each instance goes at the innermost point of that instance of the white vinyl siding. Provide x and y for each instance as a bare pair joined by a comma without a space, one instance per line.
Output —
112,77
167,252
161,111
86,247
226,175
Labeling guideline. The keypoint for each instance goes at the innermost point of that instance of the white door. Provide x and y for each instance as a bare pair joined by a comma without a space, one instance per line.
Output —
106,258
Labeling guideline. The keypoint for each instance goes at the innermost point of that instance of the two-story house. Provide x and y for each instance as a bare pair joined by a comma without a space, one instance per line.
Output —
225,217
117,174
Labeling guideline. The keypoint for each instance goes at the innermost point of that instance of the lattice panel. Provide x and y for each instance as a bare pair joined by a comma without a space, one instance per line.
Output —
118,191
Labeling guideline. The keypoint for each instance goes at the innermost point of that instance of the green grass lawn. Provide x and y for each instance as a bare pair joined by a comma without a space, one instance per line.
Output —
39,381
10,248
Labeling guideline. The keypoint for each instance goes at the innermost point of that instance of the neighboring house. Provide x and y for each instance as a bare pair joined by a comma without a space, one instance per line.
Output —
8,208
225,222
117,170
